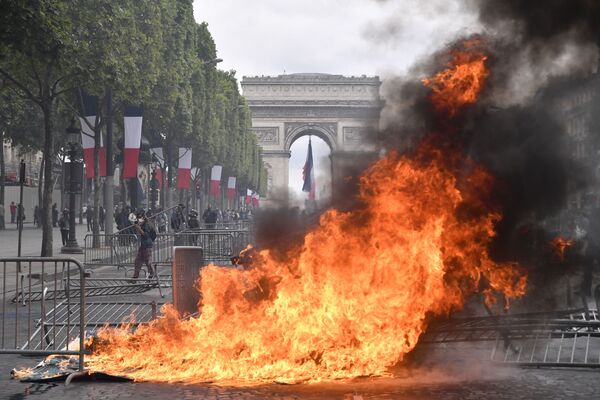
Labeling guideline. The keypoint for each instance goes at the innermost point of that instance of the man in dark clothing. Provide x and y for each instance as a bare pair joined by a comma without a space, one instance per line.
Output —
178,219
210,217
101,216
63,224
89,217
13,212
145,230
54,215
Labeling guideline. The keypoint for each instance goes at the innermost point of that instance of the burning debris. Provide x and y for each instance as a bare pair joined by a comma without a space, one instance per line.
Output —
353,299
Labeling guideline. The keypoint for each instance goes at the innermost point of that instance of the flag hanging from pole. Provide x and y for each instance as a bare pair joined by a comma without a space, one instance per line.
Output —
184,169
248,196
133,140
90,111
308,173
231,188
255,199
215,181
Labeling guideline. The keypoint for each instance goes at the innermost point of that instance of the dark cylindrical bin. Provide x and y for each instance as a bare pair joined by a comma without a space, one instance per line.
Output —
186,266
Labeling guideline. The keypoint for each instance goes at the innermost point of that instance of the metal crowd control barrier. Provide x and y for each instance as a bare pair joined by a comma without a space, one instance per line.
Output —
218,245
569,338
27,319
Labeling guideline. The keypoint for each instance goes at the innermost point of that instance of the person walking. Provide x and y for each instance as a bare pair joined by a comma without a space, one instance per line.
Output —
20,215
63,224
13,212
101,215
178,219
89,217
54,215
209,216
36,216
147,234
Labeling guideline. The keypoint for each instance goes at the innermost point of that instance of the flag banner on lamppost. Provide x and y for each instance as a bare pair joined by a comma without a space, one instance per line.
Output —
158,172
90,111
133,140
231,188
184,168
308,173
248,196
215,181
255,200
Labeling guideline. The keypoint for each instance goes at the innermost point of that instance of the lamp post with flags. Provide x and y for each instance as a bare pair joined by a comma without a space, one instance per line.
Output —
73,180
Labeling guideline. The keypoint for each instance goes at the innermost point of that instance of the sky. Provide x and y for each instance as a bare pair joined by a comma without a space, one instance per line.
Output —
348,37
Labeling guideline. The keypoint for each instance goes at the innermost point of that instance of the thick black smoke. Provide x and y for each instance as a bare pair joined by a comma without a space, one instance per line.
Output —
543,20
538,52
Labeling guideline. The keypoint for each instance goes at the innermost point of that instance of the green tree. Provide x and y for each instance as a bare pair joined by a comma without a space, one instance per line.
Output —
37,45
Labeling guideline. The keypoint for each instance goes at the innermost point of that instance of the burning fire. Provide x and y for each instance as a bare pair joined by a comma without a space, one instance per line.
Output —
353,300
559,245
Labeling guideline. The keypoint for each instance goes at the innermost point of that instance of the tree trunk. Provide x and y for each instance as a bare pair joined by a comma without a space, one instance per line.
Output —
96,213
46,216
2,179
41,182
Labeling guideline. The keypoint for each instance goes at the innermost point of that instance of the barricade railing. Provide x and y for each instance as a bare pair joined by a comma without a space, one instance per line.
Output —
218,245
97,249
24,318
223,225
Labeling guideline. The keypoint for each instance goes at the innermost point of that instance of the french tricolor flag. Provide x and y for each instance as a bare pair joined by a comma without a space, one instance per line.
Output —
90,111
308,173
133,140
215,181
184,170
231,188
248,196
256,200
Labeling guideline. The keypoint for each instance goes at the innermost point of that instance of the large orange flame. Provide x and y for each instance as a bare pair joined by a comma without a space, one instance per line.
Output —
354,299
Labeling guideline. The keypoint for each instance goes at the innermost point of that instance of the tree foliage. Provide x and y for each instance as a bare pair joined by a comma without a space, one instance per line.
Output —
149,52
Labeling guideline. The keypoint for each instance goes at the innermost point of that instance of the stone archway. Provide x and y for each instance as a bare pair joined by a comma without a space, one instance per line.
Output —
340,110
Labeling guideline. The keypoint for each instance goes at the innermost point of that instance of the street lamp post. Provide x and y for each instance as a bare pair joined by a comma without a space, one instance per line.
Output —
75,176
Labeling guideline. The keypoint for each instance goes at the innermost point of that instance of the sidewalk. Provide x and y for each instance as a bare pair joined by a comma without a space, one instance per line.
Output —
31,242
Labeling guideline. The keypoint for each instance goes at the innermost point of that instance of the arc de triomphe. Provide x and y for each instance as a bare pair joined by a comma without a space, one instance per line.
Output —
340,110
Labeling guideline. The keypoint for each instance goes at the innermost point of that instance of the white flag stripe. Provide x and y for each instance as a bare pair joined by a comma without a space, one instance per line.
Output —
215,173
248,192
133,132
87,135
231,182
185,158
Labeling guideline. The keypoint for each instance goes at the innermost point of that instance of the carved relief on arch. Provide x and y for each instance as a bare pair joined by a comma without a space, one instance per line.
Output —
267,135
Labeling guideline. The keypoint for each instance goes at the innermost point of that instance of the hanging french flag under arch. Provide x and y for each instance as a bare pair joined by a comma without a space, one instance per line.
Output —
231,188
133,140
184,169
308,173
90,111
248,196
215,181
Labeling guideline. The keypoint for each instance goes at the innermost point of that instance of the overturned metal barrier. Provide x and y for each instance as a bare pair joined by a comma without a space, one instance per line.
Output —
569,338
20,315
